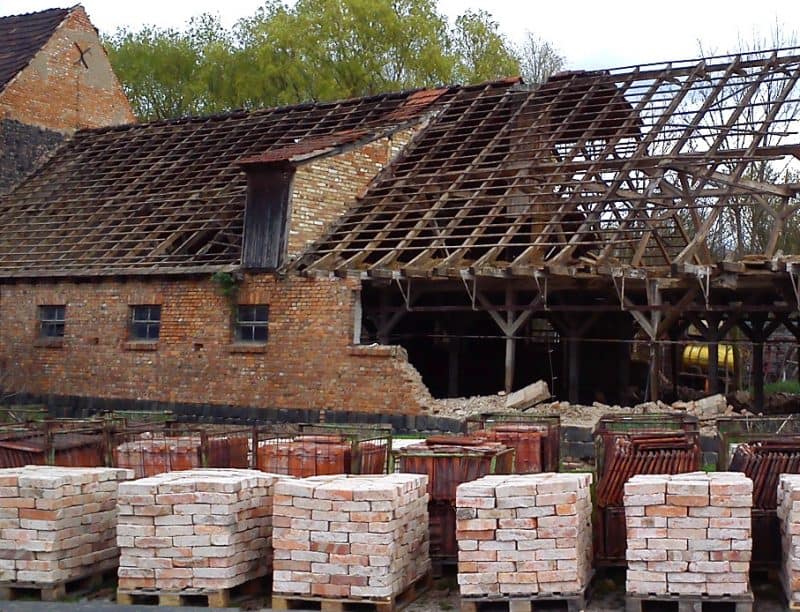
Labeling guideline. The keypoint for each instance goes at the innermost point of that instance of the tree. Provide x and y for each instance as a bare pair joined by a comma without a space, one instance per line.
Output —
539,59
312,50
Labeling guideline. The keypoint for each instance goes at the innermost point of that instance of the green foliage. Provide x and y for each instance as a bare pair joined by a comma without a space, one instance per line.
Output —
783,386
314,50
226,283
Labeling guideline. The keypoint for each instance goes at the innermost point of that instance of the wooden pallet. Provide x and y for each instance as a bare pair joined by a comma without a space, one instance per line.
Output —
331,604
689,603
212,598
54,591
572,602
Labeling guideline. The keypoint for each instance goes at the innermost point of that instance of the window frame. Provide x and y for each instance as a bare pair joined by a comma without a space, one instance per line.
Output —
149,323
46,324
252,324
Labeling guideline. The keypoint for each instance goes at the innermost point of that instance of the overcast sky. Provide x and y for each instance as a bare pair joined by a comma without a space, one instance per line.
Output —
590,33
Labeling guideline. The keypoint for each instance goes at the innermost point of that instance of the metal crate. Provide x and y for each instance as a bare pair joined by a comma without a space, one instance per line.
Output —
167,448
735,430
549,427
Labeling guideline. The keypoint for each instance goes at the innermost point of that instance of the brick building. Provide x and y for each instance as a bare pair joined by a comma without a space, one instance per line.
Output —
155,261
55,78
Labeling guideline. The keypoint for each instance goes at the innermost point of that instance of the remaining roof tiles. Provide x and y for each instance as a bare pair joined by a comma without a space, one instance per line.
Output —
170,196
22,36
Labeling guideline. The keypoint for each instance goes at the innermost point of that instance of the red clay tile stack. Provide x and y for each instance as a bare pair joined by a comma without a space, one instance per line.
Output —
205,529
58,523
524,534
789,516
350,537
689,534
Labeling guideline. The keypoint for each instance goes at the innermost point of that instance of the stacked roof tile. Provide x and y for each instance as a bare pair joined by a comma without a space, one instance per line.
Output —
170,196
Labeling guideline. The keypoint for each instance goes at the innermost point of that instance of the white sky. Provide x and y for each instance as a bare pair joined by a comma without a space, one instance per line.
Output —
590,33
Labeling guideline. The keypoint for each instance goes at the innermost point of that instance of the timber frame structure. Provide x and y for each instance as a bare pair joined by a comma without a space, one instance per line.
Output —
657,191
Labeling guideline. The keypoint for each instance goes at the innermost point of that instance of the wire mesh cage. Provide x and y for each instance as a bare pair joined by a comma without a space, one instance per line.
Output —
75,443
319,450
627,445
735,430
168,448
536,439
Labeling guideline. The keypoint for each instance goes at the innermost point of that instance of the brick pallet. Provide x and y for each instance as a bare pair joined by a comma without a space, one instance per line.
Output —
789,516
689,603
57,529
350,539
198,533
689,535
524,538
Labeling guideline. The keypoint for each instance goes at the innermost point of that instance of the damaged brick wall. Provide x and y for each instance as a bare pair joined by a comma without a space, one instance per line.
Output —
22,148
325,188
308,361
58,92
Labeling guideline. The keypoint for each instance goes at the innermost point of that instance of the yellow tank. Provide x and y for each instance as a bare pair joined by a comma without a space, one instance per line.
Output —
697,355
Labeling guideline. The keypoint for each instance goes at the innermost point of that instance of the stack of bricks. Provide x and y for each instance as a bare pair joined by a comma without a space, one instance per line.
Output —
207,529
689,534
789,516
58,523
350,537
524,535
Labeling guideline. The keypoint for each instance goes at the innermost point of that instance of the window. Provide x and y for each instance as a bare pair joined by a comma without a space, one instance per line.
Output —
251,323
145,322
51,321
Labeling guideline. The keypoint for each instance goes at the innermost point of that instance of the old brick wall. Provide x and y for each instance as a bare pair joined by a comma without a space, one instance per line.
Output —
57,92
324,189
308,361
22,147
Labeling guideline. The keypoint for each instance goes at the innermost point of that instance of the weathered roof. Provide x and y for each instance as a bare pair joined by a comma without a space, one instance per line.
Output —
603,171
22,36
169,196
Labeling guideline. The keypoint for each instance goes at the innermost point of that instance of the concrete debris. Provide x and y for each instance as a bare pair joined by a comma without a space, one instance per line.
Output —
528,396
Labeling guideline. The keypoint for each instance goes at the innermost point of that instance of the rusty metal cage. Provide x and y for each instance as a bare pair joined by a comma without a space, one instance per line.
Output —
166,448
76,443
515,429
762,448
22,413
449,461
318,450
627,445
735,430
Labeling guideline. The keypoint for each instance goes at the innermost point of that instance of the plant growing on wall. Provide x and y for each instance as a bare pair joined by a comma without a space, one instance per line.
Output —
228,286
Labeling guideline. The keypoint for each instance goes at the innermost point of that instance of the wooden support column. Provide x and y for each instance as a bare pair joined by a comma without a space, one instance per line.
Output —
452,367
758,376
655,372
675,359
573,348
510,343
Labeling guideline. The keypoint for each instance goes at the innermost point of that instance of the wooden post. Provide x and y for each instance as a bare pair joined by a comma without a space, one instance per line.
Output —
713,365
574,369
758,376
452,367
675,358
655,372
510,343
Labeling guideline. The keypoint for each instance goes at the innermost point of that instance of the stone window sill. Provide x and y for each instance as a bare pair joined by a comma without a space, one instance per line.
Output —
140,345
372,350
247,347
49,342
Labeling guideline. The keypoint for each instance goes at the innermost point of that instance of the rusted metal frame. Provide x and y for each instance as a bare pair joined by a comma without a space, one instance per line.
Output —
676,147
424,221
370,213
623,173
751,149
